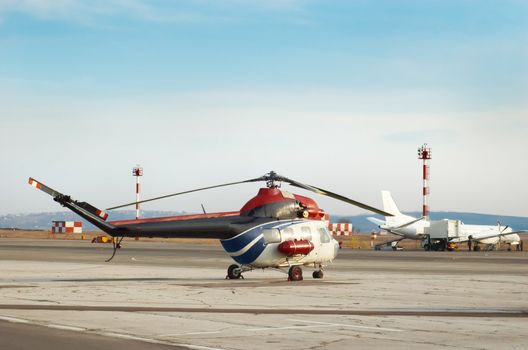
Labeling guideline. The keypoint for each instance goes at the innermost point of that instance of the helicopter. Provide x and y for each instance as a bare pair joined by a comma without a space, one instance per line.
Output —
275,229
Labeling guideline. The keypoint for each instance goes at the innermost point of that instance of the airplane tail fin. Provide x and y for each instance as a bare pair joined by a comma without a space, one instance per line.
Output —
87,211
389,205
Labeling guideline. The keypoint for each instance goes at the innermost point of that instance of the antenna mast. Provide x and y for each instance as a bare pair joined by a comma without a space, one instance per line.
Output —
424,153
137,172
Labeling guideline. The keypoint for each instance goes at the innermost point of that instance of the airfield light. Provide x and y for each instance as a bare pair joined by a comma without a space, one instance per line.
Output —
137,172
424,153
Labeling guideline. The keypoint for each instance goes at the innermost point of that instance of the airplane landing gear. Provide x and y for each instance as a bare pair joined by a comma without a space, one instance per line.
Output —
234,272
318,274
295,273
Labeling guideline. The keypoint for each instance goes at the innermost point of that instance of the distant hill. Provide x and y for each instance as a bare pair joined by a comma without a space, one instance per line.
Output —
42,221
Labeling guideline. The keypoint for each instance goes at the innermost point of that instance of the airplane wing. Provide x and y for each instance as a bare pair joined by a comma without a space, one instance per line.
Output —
388,243
381,224
406,224
392,229
478,238
389,230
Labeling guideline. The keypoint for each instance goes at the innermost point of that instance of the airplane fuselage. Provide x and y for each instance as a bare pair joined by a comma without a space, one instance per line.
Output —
478,233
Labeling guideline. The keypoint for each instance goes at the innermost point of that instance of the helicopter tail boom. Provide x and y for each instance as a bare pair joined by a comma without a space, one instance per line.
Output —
87,211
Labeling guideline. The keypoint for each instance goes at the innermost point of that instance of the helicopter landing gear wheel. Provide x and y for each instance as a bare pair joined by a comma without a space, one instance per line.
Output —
318,274
234,272
295,273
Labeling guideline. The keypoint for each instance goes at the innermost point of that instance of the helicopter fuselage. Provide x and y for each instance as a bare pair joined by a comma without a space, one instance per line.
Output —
260,246
273,229
243,233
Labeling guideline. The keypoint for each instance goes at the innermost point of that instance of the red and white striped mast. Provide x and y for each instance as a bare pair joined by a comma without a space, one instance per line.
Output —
137,172
424,153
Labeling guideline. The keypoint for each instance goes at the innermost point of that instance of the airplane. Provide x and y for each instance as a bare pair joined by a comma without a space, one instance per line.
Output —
490,236
275,229
409,227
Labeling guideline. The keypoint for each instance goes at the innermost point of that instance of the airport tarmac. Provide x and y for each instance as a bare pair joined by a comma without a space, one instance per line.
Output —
157,295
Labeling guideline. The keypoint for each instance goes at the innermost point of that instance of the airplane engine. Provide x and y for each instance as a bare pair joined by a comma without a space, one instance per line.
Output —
290,248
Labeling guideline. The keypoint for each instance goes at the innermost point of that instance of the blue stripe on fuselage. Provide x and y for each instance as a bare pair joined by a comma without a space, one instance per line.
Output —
252,254
236,243
241,241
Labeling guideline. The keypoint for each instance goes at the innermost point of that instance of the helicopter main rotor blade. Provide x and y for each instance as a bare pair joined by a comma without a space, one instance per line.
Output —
184,192
270,178
338,197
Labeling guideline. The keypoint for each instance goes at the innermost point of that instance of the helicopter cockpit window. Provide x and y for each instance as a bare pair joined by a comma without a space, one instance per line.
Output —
287,233
306,233
324,236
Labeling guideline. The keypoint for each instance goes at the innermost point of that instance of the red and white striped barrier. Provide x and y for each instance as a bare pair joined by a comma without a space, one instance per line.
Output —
66,227
340,229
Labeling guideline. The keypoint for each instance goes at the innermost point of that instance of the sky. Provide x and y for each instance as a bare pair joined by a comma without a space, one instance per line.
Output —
337,94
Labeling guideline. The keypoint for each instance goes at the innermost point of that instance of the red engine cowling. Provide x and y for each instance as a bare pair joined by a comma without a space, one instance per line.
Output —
290,248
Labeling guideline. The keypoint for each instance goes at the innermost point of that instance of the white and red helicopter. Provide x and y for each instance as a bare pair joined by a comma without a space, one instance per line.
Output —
274,229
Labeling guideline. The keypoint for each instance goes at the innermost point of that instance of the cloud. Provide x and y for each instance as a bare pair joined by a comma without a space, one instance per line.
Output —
264,4
71,10
96,11
93,11
417,136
